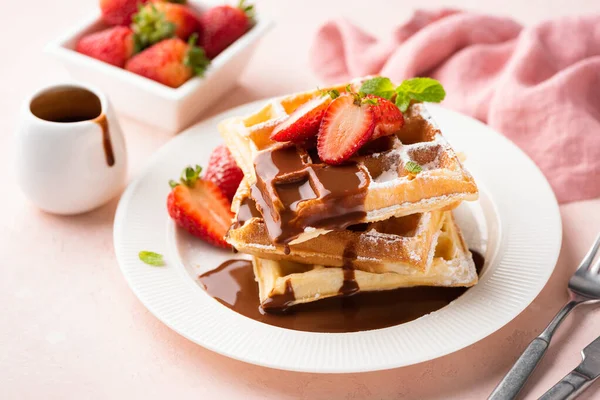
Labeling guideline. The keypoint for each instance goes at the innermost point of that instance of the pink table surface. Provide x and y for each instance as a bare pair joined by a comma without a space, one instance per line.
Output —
71,328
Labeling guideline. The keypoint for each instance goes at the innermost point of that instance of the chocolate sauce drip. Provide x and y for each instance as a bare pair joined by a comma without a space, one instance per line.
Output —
233,285
106,142
288,177
478,260
279,303
349,286
362,227
246,212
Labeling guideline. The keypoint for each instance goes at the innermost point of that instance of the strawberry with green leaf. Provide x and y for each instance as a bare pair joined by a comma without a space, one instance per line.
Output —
200,207
171,62
160,20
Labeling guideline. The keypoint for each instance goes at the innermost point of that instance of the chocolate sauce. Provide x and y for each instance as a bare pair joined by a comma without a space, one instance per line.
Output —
289,176
106,143
478,260
247,211
349,286
68,104
233,285
279,303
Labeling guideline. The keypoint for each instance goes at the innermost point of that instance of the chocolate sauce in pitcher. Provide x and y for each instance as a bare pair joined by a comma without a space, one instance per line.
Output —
233,285
69,104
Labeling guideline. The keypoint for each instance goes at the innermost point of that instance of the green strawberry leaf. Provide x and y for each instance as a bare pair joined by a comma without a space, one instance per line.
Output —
195,57
334,93
188,177
150,26
152,258
378,86
370,101
249,10
422,89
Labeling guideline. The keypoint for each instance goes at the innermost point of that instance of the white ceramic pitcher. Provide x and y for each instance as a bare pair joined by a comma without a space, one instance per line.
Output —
70,151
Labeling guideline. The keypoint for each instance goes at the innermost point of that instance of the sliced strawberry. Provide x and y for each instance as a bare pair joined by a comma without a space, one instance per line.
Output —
389,119
199,207
223,171
304,122
347,124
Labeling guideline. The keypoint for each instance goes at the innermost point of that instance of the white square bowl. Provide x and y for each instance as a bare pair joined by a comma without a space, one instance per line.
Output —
150,101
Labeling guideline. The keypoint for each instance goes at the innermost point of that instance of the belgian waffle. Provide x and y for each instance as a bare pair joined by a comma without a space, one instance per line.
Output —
302,197
286,283
398,244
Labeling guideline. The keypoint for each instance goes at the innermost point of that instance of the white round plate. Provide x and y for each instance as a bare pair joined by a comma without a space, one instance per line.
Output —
516,224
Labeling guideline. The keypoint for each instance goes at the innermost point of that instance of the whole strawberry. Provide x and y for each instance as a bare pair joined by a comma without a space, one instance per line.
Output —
119,12
223,25
223,171
171,62
199,207
113,45
160,20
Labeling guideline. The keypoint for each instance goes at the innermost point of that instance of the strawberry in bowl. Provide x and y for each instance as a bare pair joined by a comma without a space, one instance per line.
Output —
99,49
150,22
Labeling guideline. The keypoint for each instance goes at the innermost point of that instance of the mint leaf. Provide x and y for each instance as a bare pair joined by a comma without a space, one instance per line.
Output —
402,101
412,167
422,89
152,258
379,86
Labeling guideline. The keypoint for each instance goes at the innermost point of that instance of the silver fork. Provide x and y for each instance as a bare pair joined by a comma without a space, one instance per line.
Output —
584,288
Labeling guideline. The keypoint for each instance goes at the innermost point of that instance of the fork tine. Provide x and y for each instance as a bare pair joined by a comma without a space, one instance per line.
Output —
595,268
589,257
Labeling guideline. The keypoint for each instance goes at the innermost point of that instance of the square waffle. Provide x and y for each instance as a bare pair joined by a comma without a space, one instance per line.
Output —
286,283
301,197
398,244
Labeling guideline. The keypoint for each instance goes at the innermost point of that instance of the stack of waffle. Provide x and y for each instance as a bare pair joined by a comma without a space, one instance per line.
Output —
317,231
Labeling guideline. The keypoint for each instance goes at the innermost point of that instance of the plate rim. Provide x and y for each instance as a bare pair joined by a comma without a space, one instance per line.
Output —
130,191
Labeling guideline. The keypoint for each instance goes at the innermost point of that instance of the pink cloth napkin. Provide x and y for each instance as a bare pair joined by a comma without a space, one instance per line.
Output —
538,85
